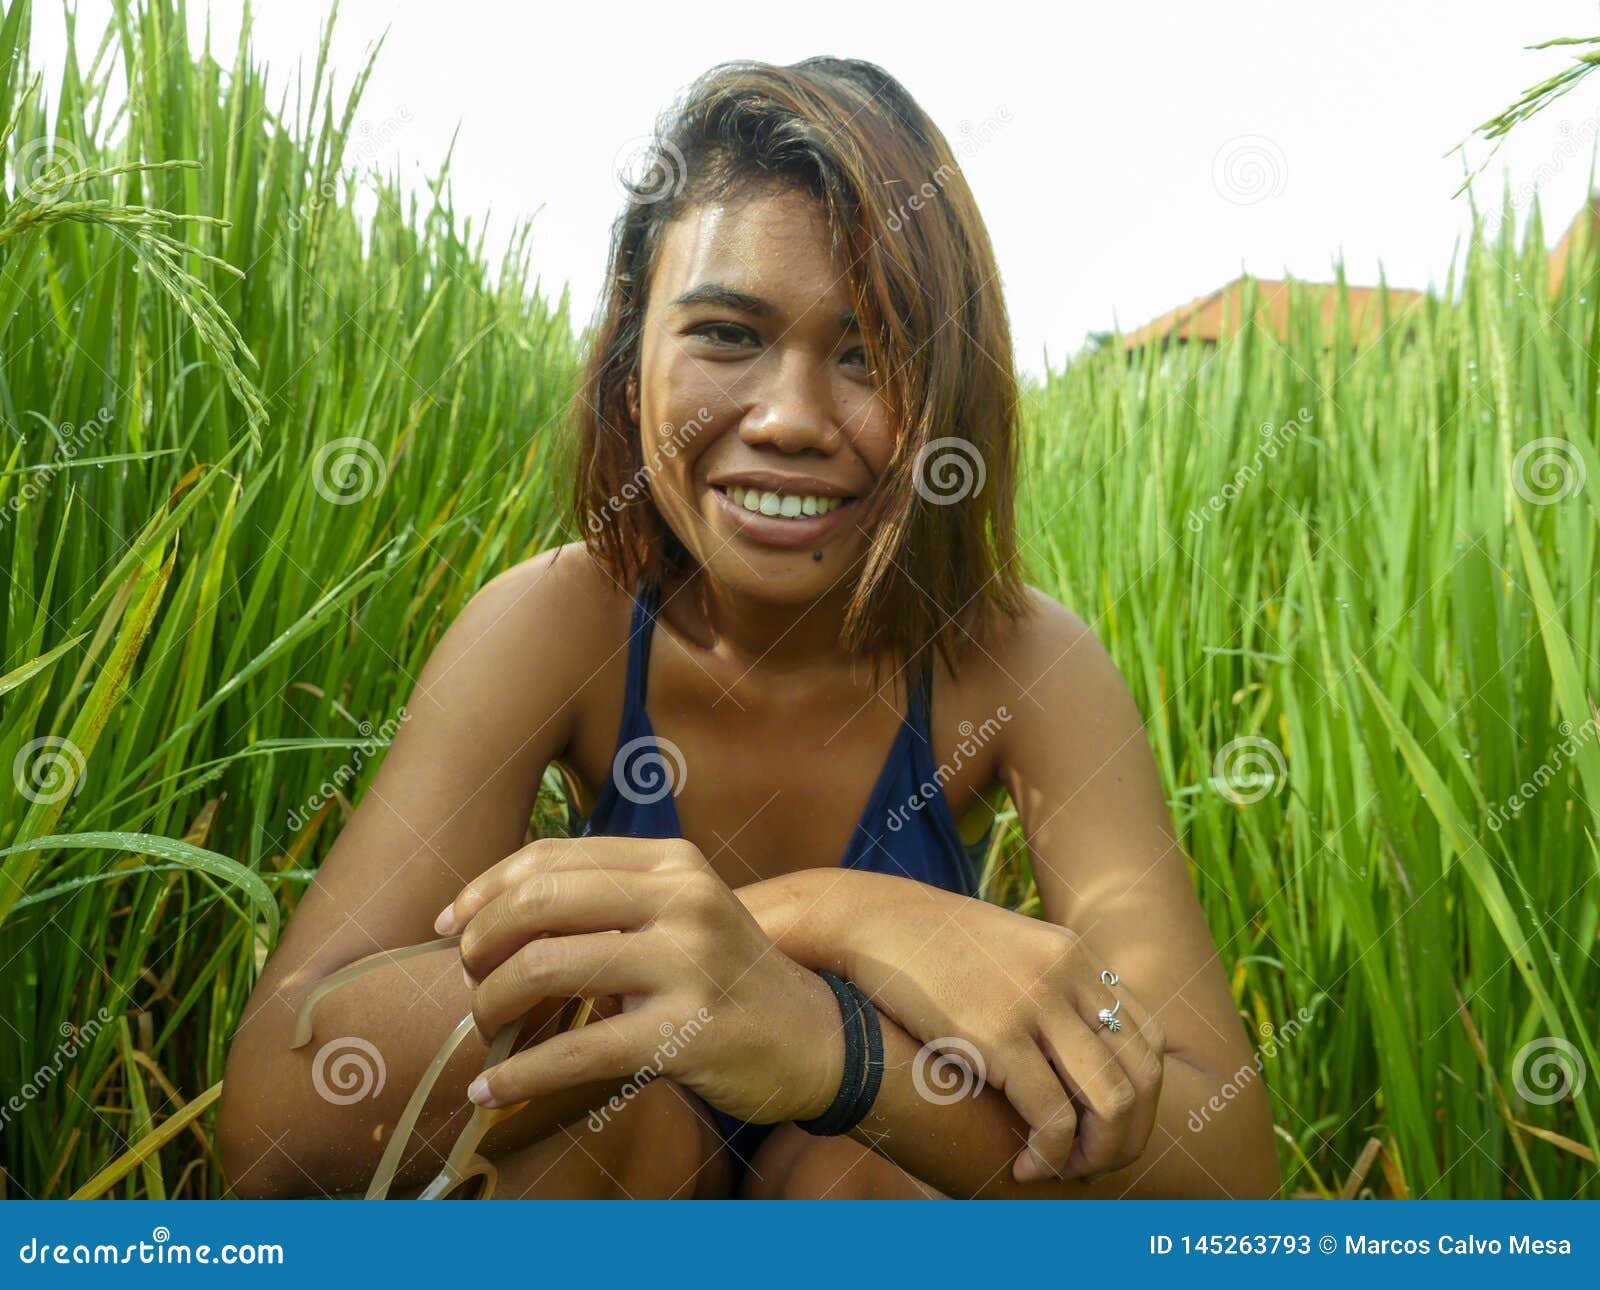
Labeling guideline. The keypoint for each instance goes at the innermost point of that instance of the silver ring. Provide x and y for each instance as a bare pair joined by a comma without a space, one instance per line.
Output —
1110,977
1108,1017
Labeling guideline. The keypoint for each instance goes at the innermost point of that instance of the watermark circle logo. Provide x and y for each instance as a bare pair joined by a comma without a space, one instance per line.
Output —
1547,1069
48,770
1248,769
1248,169
43,168
1547,471
346,1070
948,470
649,169
946,1070
160,1235
646,769
348,470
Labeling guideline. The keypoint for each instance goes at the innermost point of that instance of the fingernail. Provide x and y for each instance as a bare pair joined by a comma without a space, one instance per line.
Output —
446,922
478,1091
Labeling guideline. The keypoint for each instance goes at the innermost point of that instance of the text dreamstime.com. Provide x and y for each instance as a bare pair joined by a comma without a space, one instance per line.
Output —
159,1249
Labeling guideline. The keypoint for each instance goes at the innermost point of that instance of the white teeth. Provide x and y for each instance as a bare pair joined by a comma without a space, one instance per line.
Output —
789,506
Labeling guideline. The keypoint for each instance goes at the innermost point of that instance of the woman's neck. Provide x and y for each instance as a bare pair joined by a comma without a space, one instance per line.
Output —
751,632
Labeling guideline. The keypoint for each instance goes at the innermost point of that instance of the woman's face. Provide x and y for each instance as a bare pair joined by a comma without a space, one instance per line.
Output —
761,429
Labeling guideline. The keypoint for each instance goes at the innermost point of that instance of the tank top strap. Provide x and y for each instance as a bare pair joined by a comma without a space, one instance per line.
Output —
640,630
919,709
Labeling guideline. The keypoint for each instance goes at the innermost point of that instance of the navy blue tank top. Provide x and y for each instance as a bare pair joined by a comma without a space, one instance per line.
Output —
906,829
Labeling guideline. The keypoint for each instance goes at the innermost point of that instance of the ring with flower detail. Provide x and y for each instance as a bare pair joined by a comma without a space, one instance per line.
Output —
1108,1016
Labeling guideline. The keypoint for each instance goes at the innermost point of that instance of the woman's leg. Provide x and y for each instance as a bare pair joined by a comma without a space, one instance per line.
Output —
662,1145
795,1165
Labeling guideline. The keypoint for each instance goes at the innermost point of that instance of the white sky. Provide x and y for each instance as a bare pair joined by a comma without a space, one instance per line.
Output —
1109,131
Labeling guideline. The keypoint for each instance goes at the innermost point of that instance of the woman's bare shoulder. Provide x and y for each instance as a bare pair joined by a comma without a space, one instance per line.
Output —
566,580
531,639
1045,634
1046,658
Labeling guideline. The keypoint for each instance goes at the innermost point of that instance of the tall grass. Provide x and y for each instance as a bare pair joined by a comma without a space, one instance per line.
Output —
220,587
215,598
1363,562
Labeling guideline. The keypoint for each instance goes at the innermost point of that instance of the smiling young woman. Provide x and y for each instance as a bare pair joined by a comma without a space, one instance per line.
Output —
793,650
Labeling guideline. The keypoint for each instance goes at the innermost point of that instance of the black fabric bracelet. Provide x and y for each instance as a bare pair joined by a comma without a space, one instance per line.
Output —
874,1072
837,1118
863,1061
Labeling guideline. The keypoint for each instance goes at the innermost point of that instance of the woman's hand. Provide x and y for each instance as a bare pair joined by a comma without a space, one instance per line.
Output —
707,999
966,977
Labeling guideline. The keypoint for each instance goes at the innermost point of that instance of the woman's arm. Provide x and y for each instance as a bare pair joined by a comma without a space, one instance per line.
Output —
1109,869
454,794
656,924
716,1006
955,1130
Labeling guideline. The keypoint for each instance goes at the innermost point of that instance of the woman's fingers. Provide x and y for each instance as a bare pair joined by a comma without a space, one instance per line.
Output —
1100,1090
544,856
602,1050
564,966
1033,1088
559,903
1143,1063
1114,1074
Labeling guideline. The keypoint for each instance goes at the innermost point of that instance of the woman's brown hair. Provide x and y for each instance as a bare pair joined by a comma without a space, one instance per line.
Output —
922,275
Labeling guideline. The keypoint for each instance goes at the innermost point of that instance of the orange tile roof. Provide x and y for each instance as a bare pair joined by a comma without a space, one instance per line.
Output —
1221,314
1582,229
1214,317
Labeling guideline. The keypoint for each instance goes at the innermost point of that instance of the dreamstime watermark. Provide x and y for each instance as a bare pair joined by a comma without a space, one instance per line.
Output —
948,470
1248,769
1571,741
1249,168
43,169
972,739
370,139
1576,141
73,1040
371,741
348,1070
1547,471
673,1040
947,1069
974,138
649,169
671,440
1547,1069
1272,439
348,470
648,768
48,770
70,440
1273,1038
160,1250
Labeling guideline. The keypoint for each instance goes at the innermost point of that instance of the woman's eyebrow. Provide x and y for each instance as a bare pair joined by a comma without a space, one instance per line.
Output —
715,293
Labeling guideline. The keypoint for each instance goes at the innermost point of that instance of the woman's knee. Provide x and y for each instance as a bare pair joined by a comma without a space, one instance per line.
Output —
658,1144
795,1165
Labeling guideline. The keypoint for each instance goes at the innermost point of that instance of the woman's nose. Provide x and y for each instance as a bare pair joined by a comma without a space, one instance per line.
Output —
794,410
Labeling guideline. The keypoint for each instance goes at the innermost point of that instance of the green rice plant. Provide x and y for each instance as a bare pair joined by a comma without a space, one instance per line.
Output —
1371,569
258,450
255,453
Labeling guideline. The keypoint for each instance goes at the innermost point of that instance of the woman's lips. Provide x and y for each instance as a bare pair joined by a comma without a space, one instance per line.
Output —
769,530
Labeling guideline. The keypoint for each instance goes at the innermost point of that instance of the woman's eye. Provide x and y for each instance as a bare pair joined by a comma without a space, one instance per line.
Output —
856,357
724,333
